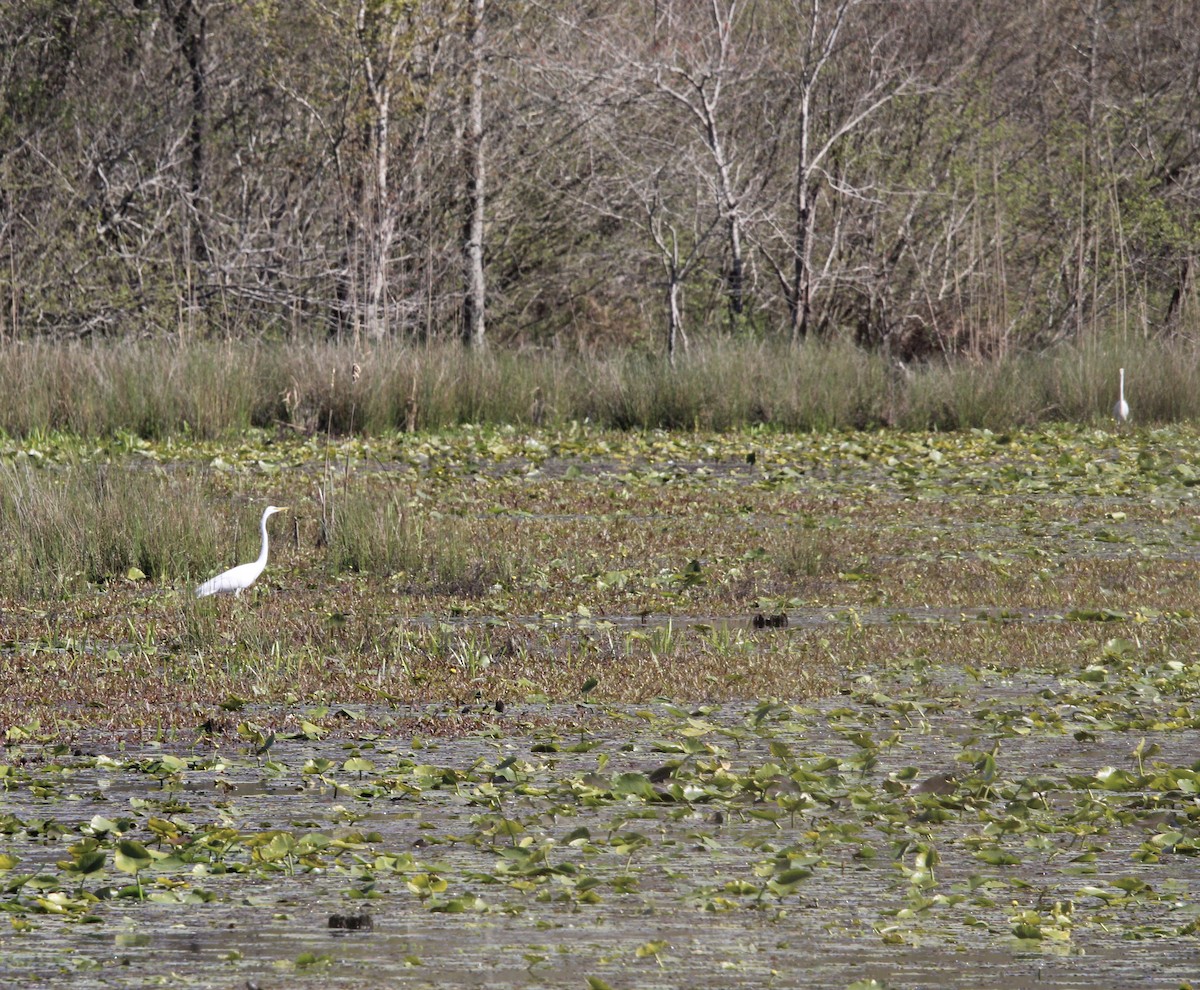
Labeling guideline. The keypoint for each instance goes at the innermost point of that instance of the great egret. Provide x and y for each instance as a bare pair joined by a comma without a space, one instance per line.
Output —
237,578
1121,409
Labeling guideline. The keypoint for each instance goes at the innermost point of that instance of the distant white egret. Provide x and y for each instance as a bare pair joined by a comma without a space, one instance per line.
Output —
238,578
1121,409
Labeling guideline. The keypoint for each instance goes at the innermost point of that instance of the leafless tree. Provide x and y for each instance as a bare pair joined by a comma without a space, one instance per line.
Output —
965,177
474,163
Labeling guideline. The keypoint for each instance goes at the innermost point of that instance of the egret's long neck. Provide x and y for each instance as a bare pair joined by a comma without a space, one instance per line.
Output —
1122,388
262,557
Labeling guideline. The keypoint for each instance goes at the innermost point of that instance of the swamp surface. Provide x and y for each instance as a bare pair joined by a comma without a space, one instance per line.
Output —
589,709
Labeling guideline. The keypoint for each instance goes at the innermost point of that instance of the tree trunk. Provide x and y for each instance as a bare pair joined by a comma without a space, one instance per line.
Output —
734,285
379,239
189,24
475,287
1179,295
800,297
379,242
378,212
674,317
737,276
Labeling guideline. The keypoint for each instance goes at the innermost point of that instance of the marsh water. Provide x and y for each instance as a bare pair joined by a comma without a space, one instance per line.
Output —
1027,818
627,881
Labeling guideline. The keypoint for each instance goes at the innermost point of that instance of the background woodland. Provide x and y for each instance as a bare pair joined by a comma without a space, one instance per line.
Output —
915,177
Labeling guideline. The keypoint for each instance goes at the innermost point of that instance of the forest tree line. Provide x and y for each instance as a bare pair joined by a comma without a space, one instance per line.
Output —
918,176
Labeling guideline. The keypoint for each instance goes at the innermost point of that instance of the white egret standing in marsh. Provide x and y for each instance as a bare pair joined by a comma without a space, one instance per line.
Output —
1121,409
238,578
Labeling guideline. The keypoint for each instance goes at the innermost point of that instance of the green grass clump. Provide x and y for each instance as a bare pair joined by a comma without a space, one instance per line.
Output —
90,524
803,552
377,535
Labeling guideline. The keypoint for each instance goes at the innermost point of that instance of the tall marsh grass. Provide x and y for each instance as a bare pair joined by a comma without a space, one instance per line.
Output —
439,554
216,389
66,528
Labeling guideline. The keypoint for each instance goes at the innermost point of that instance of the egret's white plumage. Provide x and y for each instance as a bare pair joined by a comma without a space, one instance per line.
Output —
237,578
1121,409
